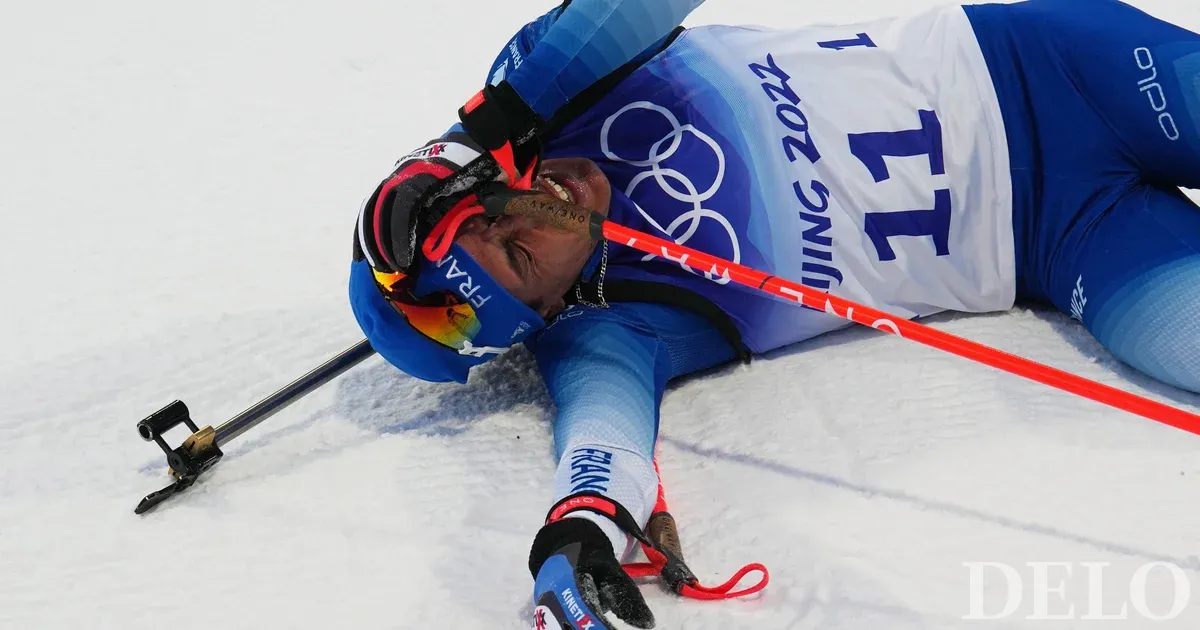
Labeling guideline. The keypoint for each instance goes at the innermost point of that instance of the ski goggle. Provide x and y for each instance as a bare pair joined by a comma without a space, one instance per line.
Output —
440,316
456,303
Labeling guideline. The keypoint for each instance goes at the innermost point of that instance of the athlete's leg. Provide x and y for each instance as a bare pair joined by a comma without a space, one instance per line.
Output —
1139,74
1098,99
1135,282
1090,136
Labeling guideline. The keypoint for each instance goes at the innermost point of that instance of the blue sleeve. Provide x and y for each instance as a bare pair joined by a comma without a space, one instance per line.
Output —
557,56
606,369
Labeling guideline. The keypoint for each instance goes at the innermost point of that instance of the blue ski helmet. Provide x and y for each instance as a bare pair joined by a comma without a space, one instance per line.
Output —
439,324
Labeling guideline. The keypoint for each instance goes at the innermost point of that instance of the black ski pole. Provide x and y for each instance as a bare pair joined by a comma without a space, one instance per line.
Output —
201,451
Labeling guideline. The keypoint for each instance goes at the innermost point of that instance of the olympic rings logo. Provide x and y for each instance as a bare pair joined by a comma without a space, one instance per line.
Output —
689,194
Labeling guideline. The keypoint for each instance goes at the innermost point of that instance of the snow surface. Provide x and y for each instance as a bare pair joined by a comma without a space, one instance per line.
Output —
179,185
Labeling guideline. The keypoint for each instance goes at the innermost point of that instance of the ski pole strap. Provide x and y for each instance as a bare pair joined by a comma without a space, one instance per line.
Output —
597,504
668,565
664,563
695,590
438,243
507,128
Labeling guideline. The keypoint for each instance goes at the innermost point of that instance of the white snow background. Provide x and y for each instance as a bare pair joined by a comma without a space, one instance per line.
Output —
178,185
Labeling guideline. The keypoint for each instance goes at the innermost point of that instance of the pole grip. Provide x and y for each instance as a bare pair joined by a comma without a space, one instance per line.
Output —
547,209
662,530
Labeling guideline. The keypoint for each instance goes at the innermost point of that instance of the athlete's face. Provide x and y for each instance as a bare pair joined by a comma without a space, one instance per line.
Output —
537,263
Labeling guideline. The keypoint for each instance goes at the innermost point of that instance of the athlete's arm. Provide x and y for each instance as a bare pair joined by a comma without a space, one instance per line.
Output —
606,370
558,55
568,49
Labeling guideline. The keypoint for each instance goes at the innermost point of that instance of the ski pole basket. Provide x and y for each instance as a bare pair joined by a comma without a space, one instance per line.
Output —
197,454
201,450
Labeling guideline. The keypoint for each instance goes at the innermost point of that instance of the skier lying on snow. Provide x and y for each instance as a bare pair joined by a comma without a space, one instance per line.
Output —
956,160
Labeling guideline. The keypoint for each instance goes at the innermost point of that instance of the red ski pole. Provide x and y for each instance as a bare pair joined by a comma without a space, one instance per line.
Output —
596,226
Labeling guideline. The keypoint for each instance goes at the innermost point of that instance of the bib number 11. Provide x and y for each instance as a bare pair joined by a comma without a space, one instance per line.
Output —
872,149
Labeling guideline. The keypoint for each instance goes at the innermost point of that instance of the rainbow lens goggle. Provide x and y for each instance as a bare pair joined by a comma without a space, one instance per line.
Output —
441,316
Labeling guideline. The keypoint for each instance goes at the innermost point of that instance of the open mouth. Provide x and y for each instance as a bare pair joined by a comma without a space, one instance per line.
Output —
549,186
577,181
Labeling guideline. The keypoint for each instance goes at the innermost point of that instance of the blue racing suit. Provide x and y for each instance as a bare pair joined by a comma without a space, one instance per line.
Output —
1044,164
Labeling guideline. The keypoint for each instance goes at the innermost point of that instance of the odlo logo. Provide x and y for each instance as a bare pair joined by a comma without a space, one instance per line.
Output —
1150,86
1077,300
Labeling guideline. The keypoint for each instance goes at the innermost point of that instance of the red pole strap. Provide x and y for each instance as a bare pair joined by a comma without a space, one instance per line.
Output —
679,577
725,591
877,319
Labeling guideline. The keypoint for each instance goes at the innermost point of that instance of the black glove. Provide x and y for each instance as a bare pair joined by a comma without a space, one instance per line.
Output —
501,138
578,579
426,184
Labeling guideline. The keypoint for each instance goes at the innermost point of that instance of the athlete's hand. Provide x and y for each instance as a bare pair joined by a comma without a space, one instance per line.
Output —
501,143
425,185
577,579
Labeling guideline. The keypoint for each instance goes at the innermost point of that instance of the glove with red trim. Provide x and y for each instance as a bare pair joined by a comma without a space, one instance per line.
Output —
501,138
426,184
577,579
